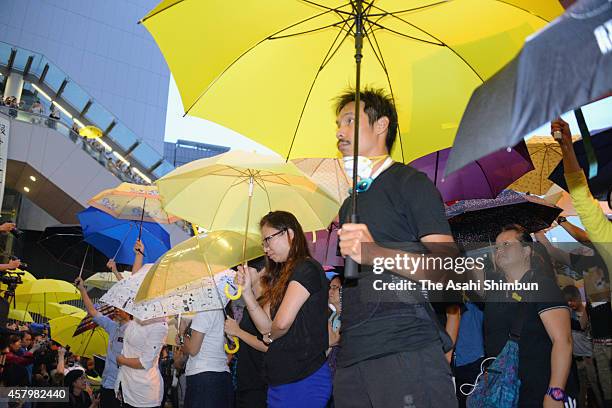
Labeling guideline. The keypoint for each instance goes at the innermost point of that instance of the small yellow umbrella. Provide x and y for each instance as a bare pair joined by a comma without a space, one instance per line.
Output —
20,315
91,132
197,258
545,154
50,310
85,344
46,290
133,202
103,280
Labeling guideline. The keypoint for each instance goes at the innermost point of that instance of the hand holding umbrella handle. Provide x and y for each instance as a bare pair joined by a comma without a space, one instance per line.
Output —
235,349
229,295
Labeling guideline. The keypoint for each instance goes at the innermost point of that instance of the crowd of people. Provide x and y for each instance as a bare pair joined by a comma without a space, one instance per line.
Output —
312,340
118,167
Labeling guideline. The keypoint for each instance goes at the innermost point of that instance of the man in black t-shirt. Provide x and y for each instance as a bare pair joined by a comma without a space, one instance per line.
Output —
391,352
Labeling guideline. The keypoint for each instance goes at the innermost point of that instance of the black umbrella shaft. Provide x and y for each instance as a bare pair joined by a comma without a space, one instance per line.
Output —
351,270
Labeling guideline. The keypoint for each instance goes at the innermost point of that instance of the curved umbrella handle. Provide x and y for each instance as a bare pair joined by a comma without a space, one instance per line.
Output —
229,295
235,349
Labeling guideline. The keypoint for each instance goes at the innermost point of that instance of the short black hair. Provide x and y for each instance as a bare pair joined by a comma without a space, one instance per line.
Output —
376,104
523,235
570,292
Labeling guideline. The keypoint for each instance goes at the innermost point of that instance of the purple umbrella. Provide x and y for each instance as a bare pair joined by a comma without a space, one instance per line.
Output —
323,246
484,178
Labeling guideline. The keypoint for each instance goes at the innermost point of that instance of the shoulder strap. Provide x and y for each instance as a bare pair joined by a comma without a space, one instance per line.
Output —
517,325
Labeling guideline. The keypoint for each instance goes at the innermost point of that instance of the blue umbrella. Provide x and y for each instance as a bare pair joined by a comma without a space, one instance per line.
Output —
116,237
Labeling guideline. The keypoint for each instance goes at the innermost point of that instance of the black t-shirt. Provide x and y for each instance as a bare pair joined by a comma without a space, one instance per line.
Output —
600,316
401,206
249,369
82,401
301,351
535,345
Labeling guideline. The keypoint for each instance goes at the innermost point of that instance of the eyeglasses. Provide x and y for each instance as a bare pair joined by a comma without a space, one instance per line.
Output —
266,241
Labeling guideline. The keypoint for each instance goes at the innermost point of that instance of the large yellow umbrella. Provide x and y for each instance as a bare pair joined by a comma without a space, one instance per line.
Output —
85,344
20,315
232,191
197,258
132,202
271,69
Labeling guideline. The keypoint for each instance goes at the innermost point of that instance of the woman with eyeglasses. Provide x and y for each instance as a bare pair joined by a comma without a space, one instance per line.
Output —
539,317
291,315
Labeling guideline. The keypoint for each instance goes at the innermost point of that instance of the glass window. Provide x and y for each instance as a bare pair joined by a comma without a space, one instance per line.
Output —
21,58
54,77
145,155
99,116
162,169
75,96
5,53
38,65
123,136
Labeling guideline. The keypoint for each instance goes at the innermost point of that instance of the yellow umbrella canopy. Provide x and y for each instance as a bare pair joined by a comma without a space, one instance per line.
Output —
545,154
232,191
328,173
103,280
20,315
196,258
46,290
91,132
128,200
275,73
50,310
85,344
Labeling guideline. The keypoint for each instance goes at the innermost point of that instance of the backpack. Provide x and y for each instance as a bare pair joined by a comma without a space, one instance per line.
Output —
499,385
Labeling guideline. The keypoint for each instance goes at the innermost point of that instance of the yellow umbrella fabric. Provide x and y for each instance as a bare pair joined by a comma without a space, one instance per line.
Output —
271,69
214,193
20,315
91,132
127,201
545,154
104,280
86,344
50,310
46,290
328,173
197,258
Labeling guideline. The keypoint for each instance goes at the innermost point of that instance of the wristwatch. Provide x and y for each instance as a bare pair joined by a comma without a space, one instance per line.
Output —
269,335
561,219
558,394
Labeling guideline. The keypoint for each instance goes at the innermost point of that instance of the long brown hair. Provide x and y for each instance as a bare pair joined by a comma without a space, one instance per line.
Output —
276,279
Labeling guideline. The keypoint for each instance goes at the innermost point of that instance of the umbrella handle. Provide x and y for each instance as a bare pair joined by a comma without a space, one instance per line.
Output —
229,295
235,349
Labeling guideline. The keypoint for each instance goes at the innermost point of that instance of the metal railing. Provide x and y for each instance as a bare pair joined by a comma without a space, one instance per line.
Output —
94,149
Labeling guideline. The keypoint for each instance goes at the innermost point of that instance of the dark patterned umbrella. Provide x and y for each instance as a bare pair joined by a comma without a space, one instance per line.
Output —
480,221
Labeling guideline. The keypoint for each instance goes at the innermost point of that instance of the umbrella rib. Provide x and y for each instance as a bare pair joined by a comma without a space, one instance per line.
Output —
212,222
307,31
522,9
384,66
441,43
323,64
164,9
335,10
387,13
249,50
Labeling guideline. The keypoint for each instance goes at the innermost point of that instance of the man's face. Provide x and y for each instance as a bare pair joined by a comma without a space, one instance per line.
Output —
27,340
15,346
509,252
368,138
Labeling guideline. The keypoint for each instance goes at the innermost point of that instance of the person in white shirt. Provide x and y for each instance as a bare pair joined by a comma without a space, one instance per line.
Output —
209,383
139,382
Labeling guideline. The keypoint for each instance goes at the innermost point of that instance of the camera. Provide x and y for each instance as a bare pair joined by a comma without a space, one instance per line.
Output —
16,232
22,265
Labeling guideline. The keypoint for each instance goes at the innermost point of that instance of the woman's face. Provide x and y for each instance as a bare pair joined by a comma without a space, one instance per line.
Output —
509,252
276,243
334,291
80,383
